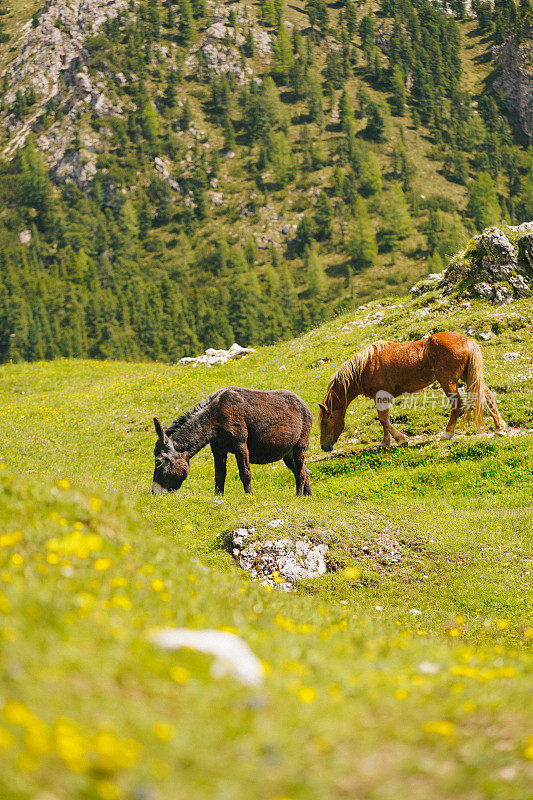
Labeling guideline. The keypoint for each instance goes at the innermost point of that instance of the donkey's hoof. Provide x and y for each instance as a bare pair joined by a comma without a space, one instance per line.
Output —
403,442
500,432
445,435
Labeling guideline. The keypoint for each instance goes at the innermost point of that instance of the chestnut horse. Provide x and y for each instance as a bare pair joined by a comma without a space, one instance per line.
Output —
384,370
257,427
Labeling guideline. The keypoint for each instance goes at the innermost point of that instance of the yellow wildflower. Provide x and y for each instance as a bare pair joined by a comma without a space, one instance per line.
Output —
108,790
307,694
164,731
101,564
442,727
180,674
6,739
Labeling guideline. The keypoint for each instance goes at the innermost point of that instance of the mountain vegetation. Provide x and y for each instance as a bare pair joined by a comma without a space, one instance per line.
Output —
207,173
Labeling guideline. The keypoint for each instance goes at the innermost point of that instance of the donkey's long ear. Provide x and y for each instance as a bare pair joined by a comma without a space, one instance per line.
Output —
159,430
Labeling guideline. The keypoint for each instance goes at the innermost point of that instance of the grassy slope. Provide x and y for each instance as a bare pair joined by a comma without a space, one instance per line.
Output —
362,697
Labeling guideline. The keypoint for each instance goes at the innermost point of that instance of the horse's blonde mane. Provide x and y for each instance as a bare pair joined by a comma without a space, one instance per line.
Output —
351,371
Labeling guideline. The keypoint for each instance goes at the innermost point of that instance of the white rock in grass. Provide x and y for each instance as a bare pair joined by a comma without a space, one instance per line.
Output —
428,668
232,655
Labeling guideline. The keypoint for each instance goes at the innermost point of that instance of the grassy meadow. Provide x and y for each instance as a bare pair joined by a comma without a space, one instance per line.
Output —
385,678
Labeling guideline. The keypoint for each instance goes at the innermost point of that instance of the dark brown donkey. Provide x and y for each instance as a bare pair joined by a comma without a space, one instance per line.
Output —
258,427
384,370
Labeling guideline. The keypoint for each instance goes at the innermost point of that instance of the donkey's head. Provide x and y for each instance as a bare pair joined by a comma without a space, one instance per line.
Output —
171,467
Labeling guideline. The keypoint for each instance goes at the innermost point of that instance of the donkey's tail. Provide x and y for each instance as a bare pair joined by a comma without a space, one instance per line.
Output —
475,383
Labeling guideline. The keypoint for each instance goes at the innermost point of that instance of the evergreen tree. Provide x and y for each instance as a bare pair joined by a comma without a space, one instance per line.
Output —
362,245
186,23
483,205
396,221
150,123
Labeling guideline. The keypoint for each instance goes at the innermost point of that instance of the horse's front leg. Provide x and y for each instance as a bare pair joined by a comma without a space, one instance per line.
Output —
389,429
220,458
243,463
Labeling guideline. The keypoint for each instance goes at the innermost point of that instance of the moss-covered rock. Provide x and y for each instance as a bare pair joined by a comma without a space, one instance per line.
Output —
496,265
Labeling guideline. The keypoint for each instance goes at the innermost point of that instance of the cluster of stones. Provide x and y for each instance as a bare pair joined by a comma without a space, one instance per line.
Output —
491,268
213,356
278,562
221,41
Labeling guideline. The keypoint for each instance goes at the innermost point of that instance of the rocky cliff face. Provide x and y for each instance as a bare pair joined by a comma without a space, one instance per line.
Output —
514,64
51,53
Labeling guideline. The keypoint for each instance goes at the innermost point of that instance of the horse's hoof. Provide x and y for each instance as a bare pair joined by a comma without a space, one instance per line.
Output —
445,435
500,432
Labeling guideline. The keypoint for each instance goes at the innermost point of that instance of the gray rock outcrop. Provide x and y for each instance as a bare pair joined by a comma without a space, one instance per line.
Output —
514,63
495,266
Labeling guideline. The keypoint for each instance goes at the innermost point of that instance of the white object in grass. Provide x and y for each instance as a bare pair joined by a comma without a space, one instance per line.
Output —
232,655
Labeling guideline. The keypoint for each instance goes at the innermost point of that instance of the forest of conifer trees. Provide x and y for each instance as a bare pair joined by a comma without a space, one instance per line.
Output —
126,267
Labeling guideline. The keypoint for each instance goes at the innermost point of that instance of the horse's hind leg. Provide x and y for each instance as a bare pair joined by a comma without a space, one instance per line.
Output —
389,429
499,423
451,392
243,463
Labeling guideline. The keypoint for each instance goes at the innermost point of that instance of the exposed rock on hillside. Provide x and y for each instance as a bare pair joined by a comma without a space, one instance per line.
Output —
278,562
50,53
218,49
515,77
491,267
212,356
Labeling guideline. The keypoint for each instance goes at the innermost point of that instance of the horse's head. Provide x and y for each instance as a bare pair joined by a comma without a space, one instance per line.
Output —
171,467
331,418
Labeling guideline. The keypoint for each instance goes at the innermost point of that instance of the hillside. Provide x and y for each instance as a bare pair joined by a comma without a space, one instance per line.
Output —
403,671
178,175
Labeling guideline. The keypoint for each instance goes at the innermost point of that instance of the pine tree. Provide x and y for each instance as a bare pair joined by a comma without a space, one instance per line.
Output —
282,57
150,123
483,205
186,26
398,91
323,217
370,174
362,245
396,221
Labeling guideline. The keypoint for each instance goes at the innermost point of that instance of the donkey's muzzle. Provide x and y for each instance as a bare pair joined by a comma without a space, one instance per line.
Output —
327,448
158,489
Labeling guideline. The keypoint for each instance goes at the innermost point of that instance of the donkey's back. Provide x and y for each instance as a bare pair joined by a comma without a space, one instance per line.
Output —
271,422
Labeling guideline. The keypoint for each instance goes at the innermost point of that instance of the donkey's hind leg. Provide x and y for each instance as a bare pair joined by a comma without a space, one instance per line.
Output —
389,429
220,458
295,462
243,463
499,423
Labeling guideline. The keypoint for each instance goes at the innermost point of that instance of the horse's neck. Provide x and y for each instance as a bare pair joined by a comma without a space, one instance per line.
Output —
345,396
193,434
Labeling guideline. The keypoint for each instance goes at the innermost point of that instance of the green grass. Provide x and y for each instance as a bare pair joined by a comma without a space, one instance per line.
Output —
383,678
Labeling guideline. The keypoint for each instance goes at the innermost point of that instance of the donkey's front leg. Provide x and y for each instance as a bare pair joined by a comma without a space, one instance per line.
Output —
243,463
220,457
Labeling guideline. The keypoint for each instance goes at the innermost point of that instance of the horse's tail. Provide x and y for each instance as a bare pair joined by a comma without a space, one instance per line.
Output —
475,383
